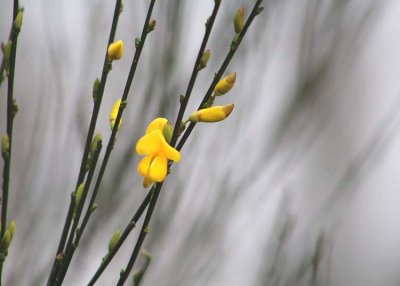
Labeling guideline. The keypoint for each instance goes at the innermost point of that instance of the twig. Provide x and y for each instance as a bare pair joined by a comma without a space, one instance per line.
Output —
234,46
10,118
95,112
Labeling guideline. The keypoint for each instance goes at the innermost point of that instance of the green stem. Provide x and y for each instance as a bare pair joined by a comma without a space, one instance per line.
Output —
234,46
10,120
93,121
131,225
182,108
70,249
142,236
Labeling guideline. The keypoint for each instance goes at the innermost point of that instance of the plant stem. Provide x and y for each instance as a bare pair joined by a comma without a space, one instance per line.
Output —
142,235
93,121
182,108
234,46
70,249
131,225
10,120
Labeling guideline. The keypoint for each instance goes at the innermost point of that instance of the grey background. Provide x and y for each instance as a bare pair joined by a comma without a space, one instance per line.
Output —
299,186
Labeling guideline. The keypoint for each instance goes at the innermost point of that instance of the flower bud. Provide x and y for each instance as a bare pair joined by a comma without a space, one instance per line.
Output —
238,20
6,48
151,26
225,84
116,50
114,113
96,144
204,59
211,114
5,145
96,89
5,242
78,196
11,229
114,240
18,20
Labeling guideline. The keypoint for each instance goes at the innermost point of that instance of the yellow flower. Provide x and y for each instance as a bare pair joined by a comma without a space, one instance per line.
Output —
114,113
225,84
211,114
116,50
153,145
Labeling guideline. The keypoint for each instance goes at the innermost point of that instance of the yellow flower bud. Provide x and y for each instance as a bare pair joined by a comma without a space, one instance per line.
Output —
204,59
238,20
211,114
116,50
114,113
225,84
114,240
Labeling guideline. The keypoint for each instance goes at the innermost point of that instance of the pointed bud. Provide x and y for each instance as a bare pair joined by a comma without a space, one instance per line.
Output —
6,48
11,228
18,21
116,50
114,113
238,20
5,242
5,146
225,84
78,197
96,144
211,114
259,10
96,89
204,59
114,240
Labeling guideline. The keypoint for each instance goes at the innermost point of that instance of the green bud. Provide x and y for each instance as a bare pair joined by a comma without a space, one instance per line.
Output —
238,20
114,240
5,146
11,228
6,48
96,89
121,8
18,21
96,144
204,59
138,275
78,195
137,42
5,242
259,10
14,107
151,26
167,132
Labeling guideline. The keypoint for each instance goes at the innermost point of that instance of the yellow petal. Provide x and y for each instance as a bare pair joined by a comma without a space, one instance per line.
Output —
157,124
149,143
170,152
144,165
225,84
114,113
158,168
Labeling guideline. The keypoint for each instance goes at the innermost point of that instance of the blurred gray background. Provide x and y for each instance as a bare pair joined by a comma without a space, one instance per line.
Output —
300,186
